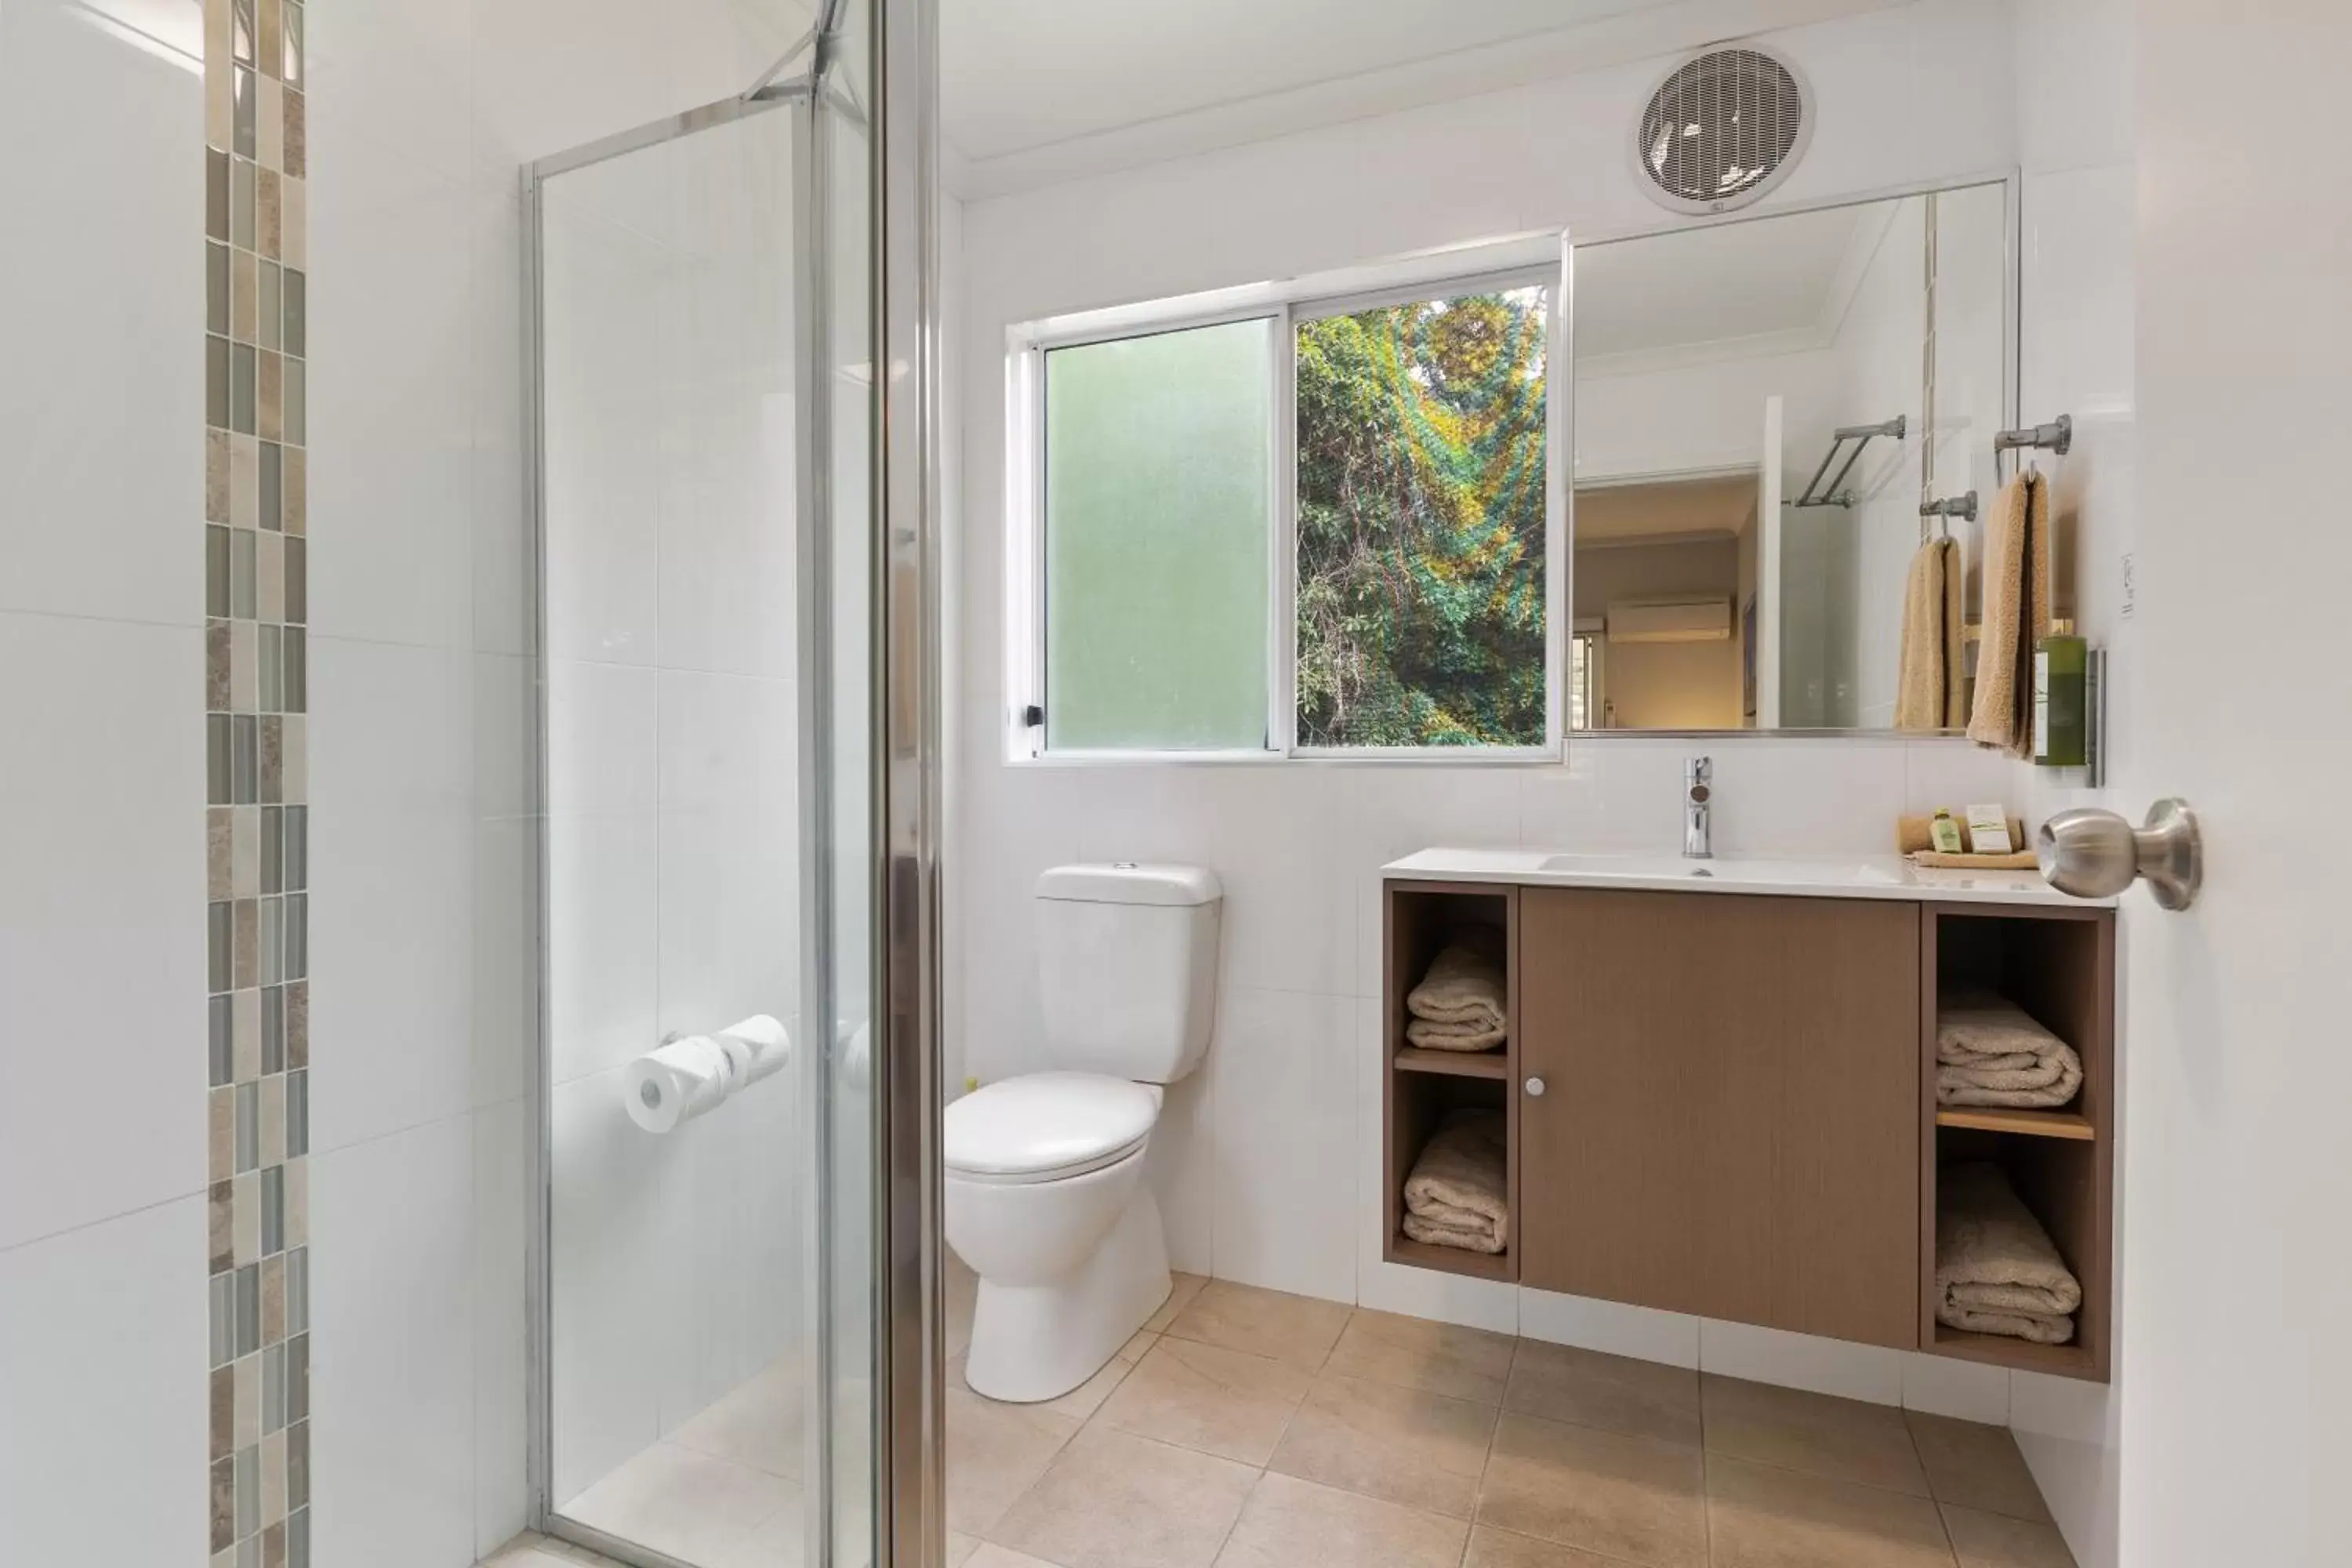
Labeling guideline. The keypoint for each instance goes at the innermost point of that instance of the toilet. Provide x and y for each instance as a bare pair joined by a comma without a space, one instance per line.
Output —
1046,1198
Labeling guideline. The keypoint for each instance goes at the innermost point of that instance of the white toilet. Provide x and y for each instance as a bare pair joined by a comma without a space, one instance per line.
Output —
1044,1172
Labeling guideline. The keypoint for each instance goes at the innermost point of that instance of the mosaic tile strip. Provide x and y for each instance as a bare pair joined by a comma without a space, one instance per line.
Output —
257,817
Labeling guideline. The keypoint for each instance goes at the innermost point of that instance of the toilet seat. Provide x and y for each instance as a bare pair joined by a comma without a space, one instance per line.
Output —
1046,1127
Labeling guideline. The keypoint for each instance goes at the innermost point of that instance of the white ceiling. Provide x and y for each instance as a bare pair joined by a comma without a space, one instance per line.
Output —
1665,512
1786,277
1016,75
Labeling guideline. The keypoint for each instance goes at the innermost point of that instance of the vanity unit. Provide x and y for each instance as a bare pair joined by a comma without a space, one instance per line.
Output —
1720,1084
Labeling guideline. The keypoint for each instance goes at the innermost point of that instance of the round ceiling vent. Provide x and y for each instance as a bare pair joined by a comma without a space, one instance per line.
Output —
1723,129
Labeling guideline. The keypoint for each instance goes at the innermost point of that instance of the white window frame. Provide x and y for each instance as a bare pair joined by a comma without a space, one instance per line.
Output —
1546,260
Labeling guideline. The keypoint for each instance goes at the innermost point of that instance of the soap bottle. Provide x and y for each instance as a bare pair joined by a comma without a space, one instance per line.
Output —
1944,832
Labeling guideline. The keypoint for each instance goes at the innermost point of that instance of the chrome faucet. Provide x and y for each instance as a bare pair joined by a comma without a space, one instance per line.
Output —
1699,790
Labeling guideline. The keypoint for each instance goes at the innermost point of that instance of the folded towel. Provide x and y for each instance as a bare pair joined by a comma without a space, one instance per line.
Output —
1929,679
1990,1052
1457,1195
1996,1271
1459,1005
2017,592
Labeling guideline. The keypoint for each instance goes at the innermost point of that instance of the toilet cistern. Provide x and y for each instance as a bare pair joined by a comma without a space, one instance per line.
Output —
1698,793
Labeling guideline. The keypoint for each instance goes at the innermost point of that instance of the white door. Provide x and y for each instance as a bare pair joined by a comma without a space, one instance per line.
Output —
1767,571
2235,1383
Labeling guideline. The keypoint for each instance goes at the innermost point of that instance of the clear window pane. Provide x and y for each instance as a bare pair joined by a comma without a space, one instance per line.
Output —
1421,524
1159,512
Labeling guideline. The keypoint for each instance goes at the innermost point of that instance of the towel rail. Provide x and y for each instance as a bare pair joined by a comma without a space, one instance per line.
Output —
1816,493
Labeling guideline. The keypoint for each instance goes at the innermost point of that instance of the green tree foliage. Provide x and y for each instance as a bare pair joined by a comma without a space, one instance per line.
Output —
1421,524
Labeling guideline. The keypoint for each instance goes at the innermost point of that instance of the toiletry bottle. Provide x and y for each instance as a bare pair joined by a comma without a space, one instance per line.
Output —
1944,832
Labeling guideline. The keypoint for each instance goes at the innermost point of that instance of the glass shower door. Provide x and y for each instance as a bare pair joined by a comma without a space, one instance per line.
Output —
706,430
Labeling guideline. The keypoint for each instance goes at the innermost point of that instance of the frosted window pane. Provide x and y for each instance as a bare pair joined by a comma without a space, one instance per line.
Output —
1159,503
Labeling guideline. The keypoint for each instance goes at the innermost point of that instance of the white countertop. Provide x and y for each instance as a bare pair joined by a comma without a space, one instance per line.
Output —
1824,877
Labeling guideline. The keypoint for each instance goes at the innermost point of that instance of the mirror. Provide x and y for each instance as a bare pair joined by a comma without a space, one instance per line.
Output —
1763,409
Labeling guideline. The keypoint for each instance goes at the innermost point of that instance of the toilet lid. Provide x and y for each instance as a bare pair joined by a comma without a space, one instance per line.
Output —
1047,1125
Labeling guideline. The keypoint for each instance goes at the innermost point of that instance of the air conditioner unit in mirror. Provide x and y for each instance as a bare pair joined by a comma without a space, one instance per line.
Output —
1685,618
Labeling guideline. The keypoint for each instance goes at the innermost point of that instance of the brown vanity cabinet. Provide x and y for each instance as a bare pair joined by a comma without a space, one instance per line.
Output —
1718,1105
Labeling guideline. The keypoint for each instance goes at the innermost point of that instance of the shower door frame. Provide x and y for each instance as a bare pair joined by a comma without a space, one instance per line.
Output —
906,1418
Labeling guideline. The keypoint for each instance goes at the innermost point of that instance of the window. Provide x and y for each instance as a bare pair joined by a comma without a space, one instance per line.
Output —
1421,524
1321,528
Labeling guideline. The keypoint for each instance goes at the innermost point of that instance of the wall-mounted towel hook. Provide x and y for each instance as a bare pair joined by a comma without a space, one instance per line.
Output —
2057,436
1963,505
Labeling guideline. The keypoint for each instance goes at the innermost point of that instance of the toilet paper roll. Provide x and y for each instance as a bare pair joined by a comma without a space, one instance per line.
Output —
761,1043
682,1080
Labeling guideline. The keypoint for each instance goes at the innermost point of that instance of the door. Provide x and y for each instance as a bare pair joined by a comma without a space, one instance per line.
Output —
2235,1366
1729,1123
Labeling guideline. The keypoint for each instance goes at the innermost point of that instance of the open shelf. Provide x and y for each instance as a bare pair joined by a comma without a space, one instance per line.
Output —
2022,1122
1454,1064
1402,1248
2058,963
1422,1088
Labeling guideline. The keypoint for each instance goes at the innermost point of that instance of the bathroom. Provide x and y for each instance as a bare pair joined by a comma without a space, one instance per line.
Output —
765,576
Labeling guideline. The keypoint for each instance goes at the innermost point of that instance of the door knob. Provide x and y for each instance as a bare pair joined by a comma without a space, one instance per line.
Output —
2096,854
1535,1088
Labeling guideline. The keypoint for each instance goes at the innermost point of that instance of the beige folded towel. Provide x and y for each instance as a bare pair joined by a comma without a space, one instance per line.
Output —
1996,1271
1457,1195
1931,678
1988,1051
2017,589
1459,1005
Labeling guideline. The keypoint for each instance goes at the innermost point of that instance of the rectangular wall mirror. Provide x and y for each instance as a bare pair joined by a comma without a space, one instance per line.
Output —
1763,410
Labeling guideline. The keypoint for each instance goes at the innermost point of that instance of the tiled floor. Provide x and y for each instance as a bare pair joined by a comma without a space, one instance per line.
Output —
1249,1429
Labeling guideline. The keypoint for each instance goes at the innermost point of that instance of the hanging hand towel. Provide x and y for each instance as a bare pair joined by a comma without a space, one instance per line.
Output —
2016,615
1928,686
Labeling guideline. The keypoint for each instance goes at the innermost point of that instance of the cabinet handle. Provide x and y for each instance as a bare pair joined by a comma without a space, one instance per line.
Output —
1535,1088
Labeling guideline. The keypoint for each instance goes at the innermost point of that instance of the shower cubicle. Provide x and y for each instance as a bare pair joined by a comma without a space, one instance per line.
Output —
736,1345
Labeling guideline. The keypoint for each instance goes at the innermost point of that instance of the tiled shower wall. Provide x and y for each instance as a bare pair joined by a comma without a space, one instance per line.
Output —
257,1115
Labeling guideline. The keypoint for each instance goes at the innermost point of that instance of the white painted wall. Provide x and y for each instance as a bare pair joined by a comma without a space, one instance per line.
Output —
1267,1174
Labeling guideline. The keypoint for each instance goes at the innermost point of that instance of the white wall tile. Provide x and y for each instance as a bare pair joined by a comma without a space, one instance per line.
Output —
1801,1361
1613,1327
1283,1104
394,1314
505,540
392,870
503,1210
390,406
604,932
106,428
103,1443
102,941
1964,1390
399,74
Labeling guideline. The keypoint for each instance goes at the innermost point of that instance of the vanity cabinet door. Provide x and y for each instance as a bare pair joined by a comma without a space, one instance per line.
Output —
1729,1119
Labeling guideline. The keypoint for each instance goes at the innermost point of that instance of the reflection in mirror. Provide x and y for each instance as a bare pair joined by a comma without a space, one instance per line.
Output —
1763,408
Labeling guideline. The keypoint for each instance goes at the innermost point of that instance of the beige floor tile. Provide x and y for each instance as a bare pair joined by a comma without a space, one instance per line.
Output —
526,1550
1977,1467
1766,1518
1187,1286
1087,1397
1201,1396
1288,1523
1299,1330
1818,1433
994,1453
681,1503
1588,1388
959,1548
1501,1549
1995,1541
1630,1497
780,1541
993,1556
1414,1352
758,1425
1402,1444
1111,1500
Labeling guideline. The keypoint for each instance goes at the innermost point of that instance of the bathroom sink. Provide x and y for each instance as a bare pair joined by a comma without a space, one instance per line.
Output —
1723,870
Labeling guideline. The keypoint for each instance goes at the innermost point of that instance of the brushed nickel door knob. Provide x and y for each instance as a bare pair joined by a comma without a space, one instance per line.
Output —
2096,854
